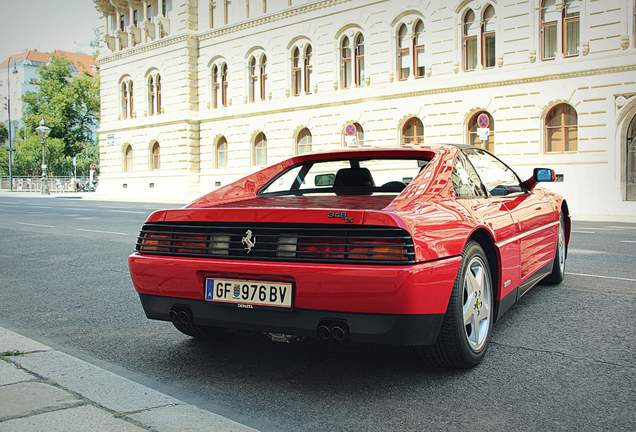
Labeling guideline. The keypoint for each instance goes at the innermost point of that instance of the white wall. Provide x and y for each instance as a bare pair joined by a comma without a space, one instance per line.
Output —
516,92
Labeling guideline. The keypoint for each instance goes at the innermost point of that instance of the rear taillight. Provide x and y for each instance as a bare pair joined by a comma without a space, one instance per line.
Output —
315,247
220,245
352,248
376,249
287,245
153,242
190,244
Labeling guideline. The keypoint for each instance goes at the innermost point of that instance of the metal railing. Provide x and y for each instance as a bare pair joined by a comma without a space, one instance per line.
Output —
34,184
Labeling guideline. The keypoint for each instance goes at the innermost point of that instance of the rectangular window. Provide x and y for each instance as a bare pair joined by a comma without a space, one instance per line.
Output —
211,9
571,38
470,53
308,70
489,50
419,61
296,82
549,35
405,63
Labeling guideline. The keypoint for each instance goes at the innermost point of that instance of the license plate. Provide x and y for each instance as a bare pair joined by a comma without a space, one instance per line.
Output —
249,292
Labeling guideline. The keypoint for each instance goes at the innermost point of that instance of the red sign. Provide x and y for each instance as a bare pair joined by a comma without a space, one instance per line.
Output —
350,130
483,121
92,166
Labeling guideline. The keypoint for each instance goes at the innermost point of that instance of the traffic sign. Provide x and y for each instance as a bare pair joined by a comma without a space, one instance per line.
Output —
483,133
350,129
483,121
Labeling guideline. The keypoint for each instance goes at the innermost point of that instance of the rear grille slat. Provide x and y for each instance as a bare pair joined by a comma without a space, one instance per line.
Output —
279,242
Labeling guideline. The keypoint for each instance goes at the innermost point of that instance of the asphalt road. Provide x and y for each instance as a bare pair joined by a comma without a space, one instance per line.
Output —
561,359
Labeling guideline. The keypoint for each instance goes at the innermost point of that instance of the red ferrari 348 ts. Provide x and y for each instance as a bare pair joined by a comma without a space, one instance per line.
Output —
422,246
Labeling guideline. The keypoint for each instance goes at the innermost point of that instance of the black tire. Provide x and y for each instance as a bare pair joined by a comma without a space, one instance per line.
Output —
452,349
200,332
558,272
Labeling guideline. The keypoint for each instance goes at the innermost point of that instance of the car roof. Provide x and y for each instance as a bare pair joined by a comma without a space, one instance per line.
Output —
372,151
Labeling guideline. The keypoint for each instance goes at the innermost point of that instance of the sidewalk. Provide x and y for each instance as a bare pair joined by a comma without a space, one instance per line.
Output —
96,196
42,389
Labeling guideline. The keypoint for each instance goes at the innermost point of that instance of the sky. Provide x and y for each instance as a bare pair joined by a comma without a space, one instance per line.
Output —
47,25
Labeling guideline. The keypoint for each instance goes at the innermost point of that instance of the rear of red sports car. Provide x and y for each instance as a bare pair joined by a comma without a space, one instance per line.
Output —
334,257
424,247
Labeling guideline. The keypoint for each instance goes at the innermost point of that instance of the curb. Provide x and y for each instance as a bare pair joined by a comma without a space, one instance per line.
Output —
45,389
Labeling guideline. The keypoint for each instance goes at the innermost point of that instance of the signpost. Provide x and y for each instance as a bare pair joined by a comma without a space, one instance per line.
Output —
351,135
483,130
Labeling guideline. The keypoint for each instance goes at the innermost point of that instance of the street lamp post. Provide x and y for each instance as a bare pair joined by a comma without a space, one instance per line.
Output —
9,117
43,132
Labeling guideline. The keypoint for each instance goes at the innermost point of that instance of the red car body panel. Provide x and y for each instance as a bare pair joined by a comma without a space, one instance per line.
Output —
329,287
522,228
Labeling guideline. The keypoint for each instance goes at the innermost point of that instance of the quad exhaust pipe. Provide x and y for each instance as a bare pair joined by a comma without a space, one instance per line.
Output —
333,330
180,316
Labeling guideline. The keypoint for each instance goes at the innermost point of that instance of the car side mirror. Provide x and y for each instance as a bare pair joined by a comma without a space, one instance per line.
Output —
543,175
540,175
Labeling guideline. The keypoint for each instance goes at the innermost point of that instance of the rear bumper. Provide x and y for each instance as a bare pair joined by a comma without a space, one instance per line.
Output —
417,289
363,327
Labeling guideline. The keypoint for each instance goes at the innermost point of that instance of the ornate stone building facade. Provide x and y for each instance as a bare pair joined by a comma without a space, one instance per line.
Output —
197,93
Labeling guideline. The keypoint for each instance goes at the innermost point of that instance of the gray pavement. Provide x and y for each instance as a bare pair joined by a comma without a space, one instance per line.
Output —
561,359
45,390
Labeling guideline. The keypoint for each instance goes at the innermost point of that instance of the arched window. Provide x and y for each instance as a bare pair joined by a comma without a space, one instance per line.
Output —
470,29
263,77
215,86
404,53
488,37
224,81
359,60
127,101
353,137
303,141
418,49
154,93
252,79
308,69
296,72
155,161
345,63
221,153
151,95
128,159
159,107
631,160
561,129
473,137
413,132
259,154
549,19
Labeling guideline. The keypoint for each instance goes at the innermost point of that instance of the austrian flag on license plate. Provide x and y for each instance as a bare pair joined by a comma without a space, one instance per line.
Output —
249,292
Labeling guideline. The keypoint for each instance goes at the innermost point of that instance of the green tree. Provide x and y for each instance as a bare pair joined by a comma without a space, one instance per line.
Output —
28,157
4,161
68,104
4,150
4,134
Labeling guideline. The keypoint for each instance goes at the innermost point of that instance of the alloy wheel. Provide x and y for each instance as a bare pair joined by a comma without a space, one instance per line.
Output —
477,303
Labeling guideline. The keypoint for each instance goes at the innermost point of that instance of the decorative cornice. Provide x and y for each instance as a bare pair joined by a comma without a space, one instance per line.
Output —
287,13
417,93
209,34
159,43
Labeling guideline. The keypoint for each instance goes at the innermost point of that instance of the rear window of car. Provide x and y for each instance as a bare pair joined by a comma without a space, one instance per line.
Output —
346,177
